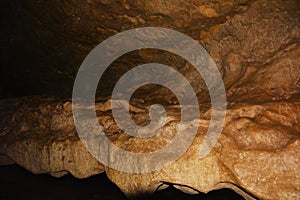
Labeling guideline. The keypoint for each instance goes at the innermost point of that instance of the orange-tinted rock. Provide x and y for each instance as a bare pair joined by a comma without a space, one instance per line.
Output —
257,153
255,45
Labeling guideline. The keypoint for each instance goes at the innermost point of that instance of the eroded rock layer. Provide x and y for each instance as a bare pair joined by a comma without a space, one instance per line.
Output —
255,45
257,153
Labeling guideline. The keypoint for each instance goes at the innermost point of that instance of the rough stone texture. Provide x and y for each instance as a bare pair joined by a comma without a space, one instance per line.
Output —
47,40
39,135
255,45
257,153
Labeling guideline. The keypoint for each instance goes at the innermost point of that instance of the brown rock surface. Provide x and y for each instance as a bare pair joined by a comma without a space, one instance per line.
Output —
255,45
257,40
257,153
38,134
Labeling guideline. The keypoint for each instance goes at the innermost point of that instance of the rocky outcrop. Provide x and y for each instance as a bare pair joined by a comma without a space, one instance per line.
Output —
257,153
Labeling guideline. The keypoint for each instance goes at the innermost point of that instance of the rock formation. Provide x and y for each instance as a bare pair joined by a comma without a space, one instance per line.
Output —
255,45
256,154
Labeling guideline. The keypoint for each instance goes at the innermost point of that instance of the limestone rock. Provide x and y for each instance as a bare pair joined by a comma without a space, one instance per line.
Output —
255,45
39,135
257,153
245,39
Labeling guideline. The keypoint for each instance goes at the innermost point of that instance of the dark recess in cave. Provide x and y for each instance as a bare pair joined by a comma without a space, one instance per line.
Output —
17,183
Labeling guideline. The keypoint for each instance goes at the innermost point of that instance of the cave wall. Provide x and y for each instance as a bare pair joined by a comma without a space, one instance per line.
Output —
252,42
255,45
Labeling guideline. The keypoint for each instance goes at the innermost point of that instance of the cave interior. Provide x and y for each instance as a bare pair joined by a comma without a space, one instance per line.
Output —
255,46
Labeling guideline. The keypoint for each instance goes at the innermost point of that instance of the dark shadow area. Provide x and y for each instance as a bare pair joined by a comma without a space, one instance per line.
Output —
18,183
173,193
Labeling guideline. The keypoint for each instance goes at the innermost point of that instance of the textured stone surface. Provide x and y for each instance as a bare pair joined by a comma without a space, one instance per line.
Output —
39,135
257,153
255,45
46,42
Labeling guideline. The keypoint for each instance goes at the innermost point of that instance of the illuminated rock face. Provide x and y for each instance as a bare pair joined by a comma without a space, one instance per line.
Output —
257,153
255,45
